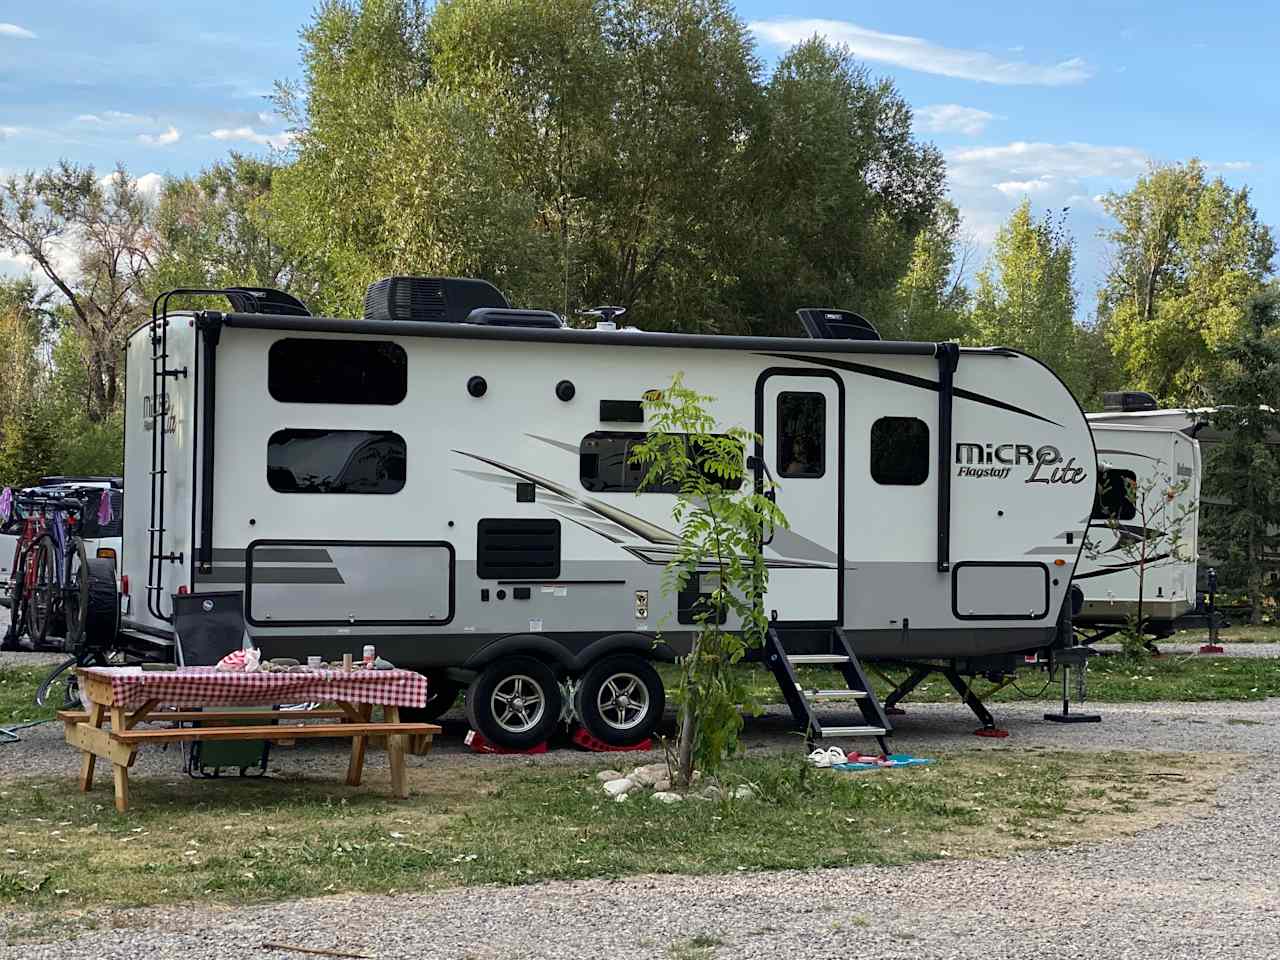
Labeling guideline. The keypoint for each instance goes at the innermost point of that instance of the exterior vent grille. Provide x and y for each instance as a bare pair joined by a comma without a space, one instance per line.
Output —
518,549
429,299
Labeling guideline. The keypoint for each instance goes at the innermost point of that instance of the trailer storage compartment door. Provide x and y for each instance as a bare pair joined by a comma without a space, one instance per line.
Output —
314,582
1000,591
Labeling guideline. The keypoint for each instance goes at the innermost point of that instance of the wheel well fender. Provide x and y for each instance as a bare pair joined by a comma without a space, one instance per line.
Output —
528,644
641,644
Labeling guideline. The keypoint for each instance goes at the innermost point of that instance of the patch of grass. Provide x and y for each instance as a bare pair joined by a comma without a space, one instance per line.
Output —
245,840
18,695
1236,633
1112,679
698,948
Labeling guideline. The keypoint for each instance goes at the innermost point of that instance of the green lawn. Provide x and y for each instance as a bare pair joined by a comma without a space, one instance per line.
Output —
244,840
18,695
1236,633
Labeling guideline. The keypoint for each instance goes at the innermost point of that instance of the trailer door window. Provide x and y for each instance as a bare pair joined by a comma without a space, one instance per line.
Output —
802,435
605,464
900,451
335,461
1114,497
337,371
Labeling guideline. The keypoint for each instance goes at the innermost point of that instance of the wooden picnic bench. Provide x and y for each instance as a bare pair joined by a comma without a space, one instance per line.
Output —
113,695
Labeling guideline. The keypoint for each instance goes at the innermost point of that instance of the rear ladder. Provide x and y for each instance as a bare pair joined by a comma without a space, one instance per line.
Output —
802,700
157,558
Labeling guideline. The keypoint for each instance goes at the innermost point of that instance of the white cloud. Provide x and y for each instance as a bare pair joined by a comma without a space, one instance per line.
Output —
13,30
88,118
1018,188
1023,160
1236,165
953,118
7,132
248,135
915,53
113,116
170,136
148,184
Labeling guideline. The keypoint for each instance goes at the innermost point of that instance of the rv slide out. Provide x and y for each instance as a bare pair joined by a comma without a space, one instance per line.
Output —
448,479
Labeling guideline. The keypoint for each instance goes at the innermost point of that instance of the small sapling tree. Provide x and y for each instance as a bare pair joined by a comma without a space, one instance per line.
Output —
1148,517
721,517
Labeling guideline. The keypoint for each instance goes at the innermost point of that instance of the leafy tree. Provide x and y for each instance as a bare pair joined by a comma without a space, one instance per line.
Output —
359,60
931,301
721,516
835,191
1026,297
91,238
588,151
216,229
1188,253
1242,472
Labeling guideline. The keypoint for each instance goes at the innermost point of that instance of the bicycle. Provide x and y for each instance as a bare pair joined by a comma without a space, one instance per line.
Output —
49,592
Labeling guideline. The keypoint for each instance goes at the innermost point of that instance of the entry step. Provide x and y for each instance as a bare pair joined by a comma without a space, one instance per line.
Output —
853,731
805,659
833,694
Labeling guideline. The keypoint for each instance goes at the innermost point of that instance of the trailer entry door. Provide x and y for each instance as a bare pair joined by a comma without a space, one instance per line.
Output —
800,416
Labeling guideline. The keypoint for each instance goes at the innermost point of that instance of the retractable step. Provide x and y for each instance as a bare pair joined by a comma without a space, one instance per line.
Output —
854,731
802,700
832,694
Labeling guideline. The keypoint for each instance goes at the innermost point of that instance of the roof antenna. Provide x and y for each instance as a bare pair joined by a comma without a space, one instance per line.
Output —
606,317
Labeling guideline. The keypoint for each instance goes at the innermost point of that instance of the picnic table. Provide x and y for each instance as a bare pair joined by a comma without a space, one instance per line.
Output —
129,696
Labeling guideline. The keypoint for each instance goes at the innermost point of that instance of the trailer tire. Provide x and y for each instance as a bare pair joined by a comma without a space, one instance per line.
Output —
515,703
442,693
620,699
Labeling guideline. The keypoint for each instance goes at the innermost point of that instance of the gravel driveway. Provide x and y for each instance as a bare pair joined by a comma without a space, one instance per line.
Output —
1203,887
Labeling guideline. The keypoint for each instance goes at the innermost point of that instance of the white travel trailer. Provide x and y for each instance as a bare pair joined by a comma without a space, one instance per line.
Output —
447,479
1132,459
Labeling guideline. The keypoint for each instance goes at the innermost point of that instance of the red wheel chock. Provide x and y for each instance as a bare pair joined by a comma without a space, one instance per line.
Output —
479,744
994,733
1211,648
586,741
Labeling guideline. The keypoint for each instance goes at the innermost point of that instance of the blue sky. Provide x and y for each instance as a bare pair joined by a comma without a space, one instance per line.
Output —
1060,103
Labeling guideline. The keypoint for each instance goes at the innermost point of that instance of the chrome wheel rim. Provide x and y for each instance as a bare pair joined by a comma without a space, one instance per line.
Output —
518,703
623,701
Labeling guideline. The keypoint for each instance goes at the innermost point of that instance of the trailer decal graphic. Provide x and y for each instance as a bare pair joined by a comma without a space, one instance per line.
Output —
661,545
911,381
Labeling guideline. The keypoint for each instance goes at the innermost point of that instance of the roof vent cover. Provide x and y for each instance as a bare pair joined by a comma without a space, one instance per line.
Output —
429,299
1128,401
836,325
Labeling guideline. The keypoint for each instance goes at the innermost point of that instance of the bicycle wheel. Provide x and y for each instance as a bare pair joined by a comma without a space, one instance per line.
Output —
77,594
17,605
45,598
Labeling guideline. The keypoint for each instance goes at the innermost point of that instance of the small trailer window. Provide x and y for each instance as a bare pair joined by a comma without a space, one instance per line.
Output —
1114,497
900,451
605,465
802,434
335,461
337,371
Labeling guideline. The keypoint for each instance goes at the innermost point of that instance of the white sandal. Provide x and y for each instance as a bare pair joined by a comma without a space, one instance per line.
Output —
827,758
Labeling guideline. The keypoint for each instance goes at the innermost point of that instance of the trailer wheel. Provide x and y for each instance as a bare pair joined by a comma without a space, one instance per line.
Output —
442,693
515,703
620,699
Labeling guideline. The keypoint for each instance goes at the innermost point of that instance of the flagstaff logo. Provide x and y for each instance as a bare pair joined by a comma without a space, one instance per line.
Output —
997,461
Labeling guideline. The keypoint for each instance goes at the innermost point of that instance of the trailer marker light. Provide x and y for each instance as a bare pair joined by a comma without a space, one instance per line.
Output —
106,553
1059,562
183,590
124,585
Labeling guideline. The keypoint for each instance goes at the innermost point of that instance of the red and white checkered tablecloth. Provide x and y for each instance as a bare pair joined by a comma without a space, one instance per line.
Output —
210,687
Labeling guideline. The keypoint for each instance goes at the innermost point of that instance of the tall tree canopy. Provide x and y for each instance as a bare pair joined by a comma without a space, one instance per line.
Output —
1188,253
587,151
